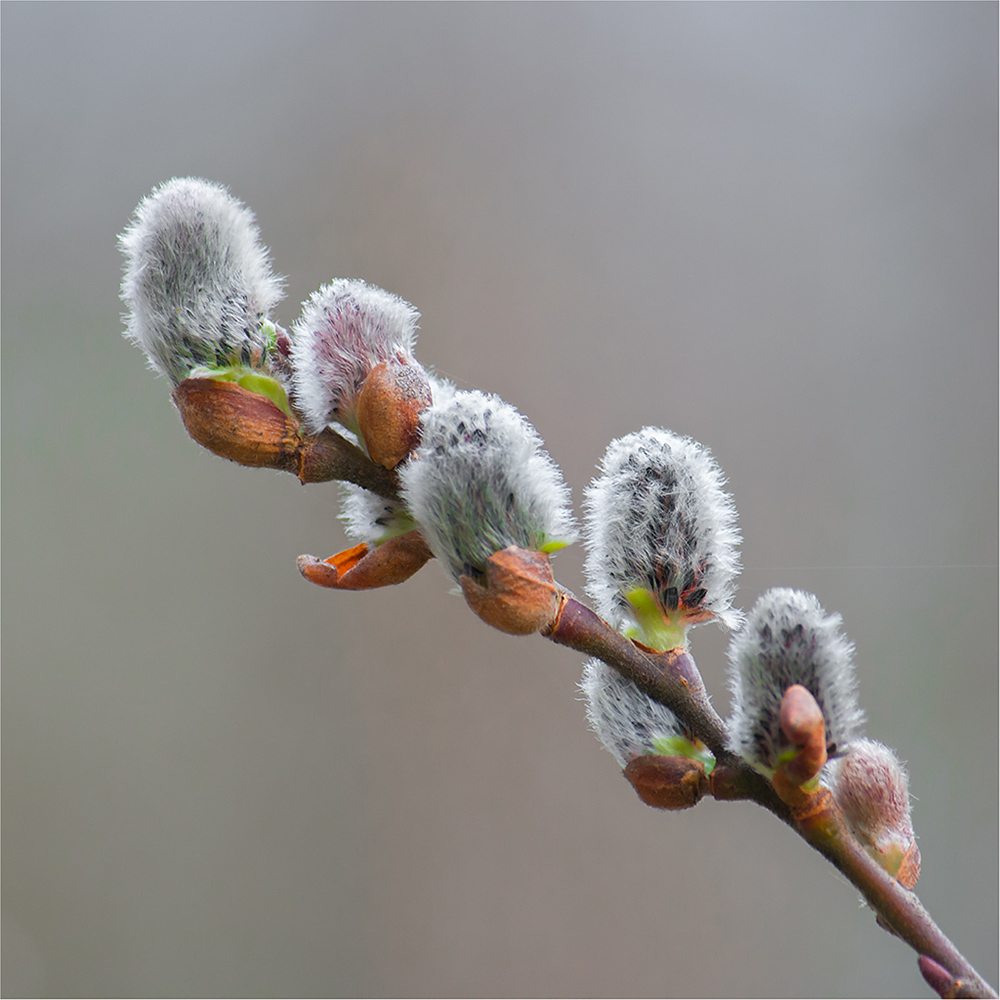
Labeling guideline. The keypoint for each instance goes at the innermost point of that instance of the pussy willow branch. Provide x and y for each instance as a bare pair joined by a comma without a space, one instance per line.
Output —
328,456
673,679
249,429
670,680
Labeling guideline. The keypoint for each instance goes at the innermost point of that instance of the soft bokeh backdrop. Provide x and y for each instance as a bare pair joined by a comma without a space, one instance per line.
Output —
772,227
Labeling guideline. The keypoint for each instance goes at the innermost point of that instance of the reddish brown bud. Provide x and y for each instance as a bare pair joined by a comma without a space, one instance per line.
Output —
238,424
389,406
803,727
520,596
364,568
939,979
667,782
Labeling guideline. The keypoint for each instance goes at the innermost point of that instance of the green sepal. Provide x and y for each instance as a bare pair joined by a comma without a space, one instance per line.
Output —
553,546
653,629
681,746
406,524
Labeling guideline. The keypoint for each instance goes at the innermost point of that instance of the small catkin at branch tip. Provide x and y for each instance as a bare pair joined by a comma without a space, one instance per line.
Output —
870,786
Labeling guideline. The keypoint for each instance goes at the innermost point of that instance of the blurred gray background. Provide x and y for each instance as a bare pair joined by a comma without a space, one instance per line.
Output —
772,227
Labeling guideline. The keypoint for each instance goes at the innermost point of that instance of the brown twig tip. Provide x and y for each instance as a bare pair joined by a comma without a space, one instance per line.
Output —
940,980
365,568
518,595
667,782
389,406
238,424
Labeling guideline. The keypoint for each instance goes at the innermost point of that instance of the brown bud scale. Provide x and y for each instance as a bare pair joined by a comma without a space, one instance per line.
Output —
667,782
520,596
365,568
238,424
389,407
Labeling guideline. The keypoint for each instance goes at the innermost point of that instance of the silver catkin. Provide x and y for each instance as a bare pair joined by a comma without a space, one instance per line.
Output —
481,481
197,282
657,517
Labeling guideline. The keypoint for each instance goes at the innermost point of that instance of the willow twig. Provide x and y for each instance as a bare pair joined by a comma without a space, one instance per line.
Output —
673,680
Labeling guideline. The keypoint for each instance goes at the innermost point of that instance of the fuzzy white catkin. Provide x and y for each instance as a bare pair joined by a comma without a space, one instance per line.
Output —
657,517
481,481
871,787
789,639
346,328
197,284
625,719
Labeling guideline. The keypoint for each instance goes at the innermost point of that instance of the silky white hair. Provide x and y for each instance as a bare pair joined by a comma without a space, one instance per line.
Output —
789,639
345,329
625,719
198,284
481,481
657,517
371,518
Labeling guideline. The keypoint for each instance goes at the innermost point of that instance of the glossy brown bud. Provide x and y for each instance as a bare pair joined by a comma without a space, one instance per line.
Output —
238,424
667,782
389,405
520,595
